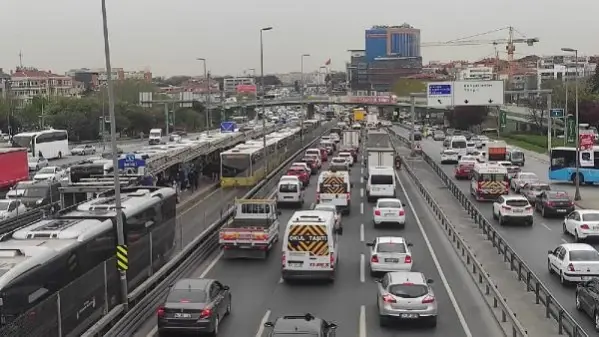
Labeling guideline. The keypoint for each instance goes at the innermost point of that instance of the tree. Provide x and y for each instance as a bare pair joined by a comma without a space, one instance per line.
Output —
594,82
537,112
405,86
463,117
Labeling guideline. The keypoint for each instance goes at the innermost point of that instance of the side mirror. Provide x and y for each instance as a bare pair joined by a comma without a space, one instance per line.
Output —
550,252
366,177
339,231
377,280
332,326
369,244
226,287
351,185
404,205
269,324
410,244
279,212
430,281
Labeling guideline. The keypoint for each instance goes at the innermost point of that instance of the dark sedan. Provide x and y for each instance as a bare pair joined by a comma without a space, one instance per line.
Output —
194,306
554,203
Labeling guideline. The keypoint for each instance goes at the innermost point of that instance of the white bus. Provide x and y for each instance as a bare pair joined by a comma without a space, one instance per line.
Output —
49,143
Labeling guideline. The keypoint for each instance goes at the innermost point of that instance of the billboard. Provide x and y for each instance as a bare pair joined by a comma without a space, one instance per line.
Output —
478,93
246,89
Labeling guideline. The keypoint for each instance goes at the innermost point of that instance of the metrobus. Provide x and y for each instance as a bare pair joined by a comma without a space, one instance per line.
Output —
49,143
562,165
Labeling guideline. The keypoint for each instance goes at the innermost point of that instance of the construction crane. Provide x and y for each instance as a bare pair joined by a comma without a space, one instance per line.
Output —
509,43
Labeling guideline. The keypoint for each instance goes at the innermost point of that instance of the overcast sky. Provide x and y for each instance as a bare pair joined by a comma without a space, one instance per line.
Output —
167,35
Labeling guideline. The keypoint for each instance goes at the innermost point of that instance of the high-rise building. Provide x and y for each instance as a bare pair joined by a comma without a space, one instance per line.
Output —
392,41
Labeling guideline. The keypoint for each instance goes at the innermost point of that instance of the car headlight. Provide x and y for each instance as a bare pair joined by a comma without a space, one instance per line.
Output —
39,201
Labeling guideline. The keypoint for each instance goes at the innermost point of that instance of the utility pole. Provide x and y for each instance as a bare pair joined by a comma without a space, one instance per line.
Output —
266,161
304,110
577,195
115,161
207,98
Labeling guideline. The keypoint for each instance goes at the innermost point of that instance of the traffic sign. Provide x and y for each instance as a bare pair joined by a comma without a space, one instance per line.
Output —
228,127
486,93
122,257
556,113
439,94
131,161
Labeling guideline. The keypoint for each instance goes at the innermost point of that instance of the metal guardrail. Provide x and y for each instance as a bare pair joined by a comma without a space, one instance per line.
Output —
553,309
469,257
143,299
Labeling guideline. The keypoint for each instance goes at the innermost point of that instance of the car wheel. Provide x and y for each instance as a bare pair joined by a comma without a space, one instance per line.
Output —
576,237
383,321
543,214
494,215
432,321
37,167
216,323
578,304
596,315
562,280
549,267
228,312
500,220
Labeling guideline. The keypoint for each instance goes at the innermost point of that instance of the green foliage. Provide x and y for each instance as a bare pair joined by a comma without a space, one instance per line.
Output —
463,117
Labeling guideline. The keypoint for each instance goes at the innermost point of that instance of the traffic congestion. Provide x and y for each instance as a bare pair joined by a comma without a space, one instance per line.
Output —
538,216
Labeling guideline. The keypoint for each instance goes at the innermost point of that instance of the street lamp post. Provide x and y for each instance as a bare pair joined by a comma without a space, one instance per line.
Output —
253,70
577,195
115,161
262,30
207,101
303,84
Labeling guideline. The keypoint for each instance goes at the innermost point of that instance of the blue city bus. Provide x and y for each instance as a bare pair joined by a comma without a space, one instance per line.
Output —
562,165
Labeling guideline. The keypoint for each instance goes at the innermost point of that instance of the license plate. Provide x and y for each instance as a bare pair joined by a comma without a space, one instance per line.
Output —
181,315
327,200
392,260
287,197
389,214
409,316
518,211
294,265
561,211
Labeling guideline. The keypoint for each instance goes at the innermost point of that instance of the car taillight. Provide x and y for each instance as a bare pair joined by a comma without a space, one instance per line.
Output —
283,259
507,208
348,196
389,299
206,313
584,226
528,208
550,203
570,267
317,198
377,212
407,259
428,299
332,259
402,213
374,259
160,312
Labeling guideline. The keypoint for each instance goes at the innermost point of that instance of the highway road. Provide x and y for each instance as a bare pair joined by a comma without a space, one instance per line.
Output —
530,243
259,293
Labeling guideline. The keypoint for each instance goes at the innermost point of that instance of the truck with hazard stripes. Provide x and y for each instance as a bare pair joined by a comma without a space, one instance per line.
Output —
488,181
334,188
252,231
310,246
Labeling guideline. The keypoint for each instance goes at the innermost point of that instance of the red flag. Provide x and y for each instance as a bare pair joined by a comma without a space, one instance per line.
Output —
328,62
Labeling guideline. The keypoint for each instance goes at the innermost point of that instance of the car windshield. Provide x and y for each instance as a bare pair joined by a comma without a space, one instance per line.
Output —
4,205
391,247
187,296
517,202
450,153
590,217
345,154
558,195
35,192
338,161
389,204
46,170
408,290
380,179
584,255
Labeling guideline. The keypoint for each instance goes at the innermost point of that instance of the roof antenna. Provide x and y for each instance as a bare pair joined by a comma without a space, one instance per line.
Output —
21,59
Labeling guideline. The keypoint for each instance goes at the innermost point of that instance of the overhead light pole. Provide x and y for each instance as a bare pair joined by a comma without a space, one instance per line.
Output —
115,160
207,100
262,30
303,84
577,195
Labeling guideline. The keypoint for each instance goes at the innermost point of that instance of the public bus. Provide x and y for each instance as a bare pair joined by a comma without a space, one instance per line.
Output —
243,165
44,257
50,143
562,165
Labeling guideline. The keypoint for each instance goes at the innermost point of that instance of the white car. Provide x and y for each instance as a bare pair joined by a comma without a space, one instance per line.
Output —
335,210
36,163
582,224
388,254
339,162
470,147
50,173
335,137
484,140
481,156
389,211
573,262
348,156
10,208
513,208
477,142
83,150
521,179
449,157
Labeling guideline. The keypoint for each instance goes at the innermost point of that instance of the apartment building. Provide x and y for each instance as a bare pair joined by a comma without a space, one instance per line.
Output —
230,84
4,79
95,78
28,82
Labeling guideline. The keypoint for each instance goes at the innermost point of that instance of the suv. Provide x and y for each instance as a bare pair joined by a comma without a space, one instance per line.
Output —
306,325
514,208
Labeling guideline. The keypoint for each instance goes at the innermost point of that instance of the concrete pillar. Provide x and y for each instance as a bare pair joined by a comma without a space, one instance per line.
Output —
310,111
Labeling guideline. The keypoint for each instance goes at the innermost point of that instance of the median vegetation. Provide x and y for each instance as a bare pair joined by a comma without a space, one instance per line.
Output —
533,142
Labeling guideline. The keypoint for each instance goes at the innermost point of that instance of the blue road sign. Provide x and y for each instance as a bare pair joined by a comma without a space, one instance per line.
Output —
556,113
227,127
131,161
439,89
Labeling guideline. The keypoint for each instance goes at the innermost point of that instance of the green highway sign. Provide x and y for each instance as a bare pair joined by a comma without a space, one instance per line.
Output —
556,113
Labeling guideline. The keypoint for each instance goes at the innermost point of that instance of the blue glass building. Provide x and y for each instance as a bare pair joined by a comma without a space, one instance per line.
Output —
392,42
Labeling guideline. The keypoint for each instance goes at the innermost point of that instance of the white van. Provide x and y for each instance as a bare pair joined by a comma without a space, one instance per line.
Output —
310,246
380,183
459,143
314,152
334,188
289,192
155,137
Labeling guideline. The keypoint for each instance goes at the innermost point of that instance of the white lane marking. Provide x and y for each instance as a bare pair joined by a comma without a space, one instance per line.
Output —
452,298
262,322
362,322
361,180
544,225
361,193
362,232
362,266
361,208
361,170
312,205
212,264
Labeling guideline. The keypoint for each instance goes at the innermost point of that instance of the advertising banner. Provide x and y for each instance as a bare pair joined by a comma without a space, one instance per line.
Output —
246,88
586,141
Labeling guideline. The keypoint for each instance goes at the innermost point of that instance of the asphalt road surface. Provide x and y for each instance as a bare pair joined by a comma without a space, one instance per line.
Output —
530,243
259,293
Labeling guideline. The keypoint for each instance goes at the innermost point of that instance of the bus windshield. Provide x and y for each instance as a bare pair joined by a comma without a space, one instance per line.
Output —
22,141
233,165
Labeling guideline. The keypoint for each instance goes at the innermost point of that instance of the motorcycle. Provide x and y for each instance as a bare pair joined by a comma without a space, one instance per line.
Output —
398,162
